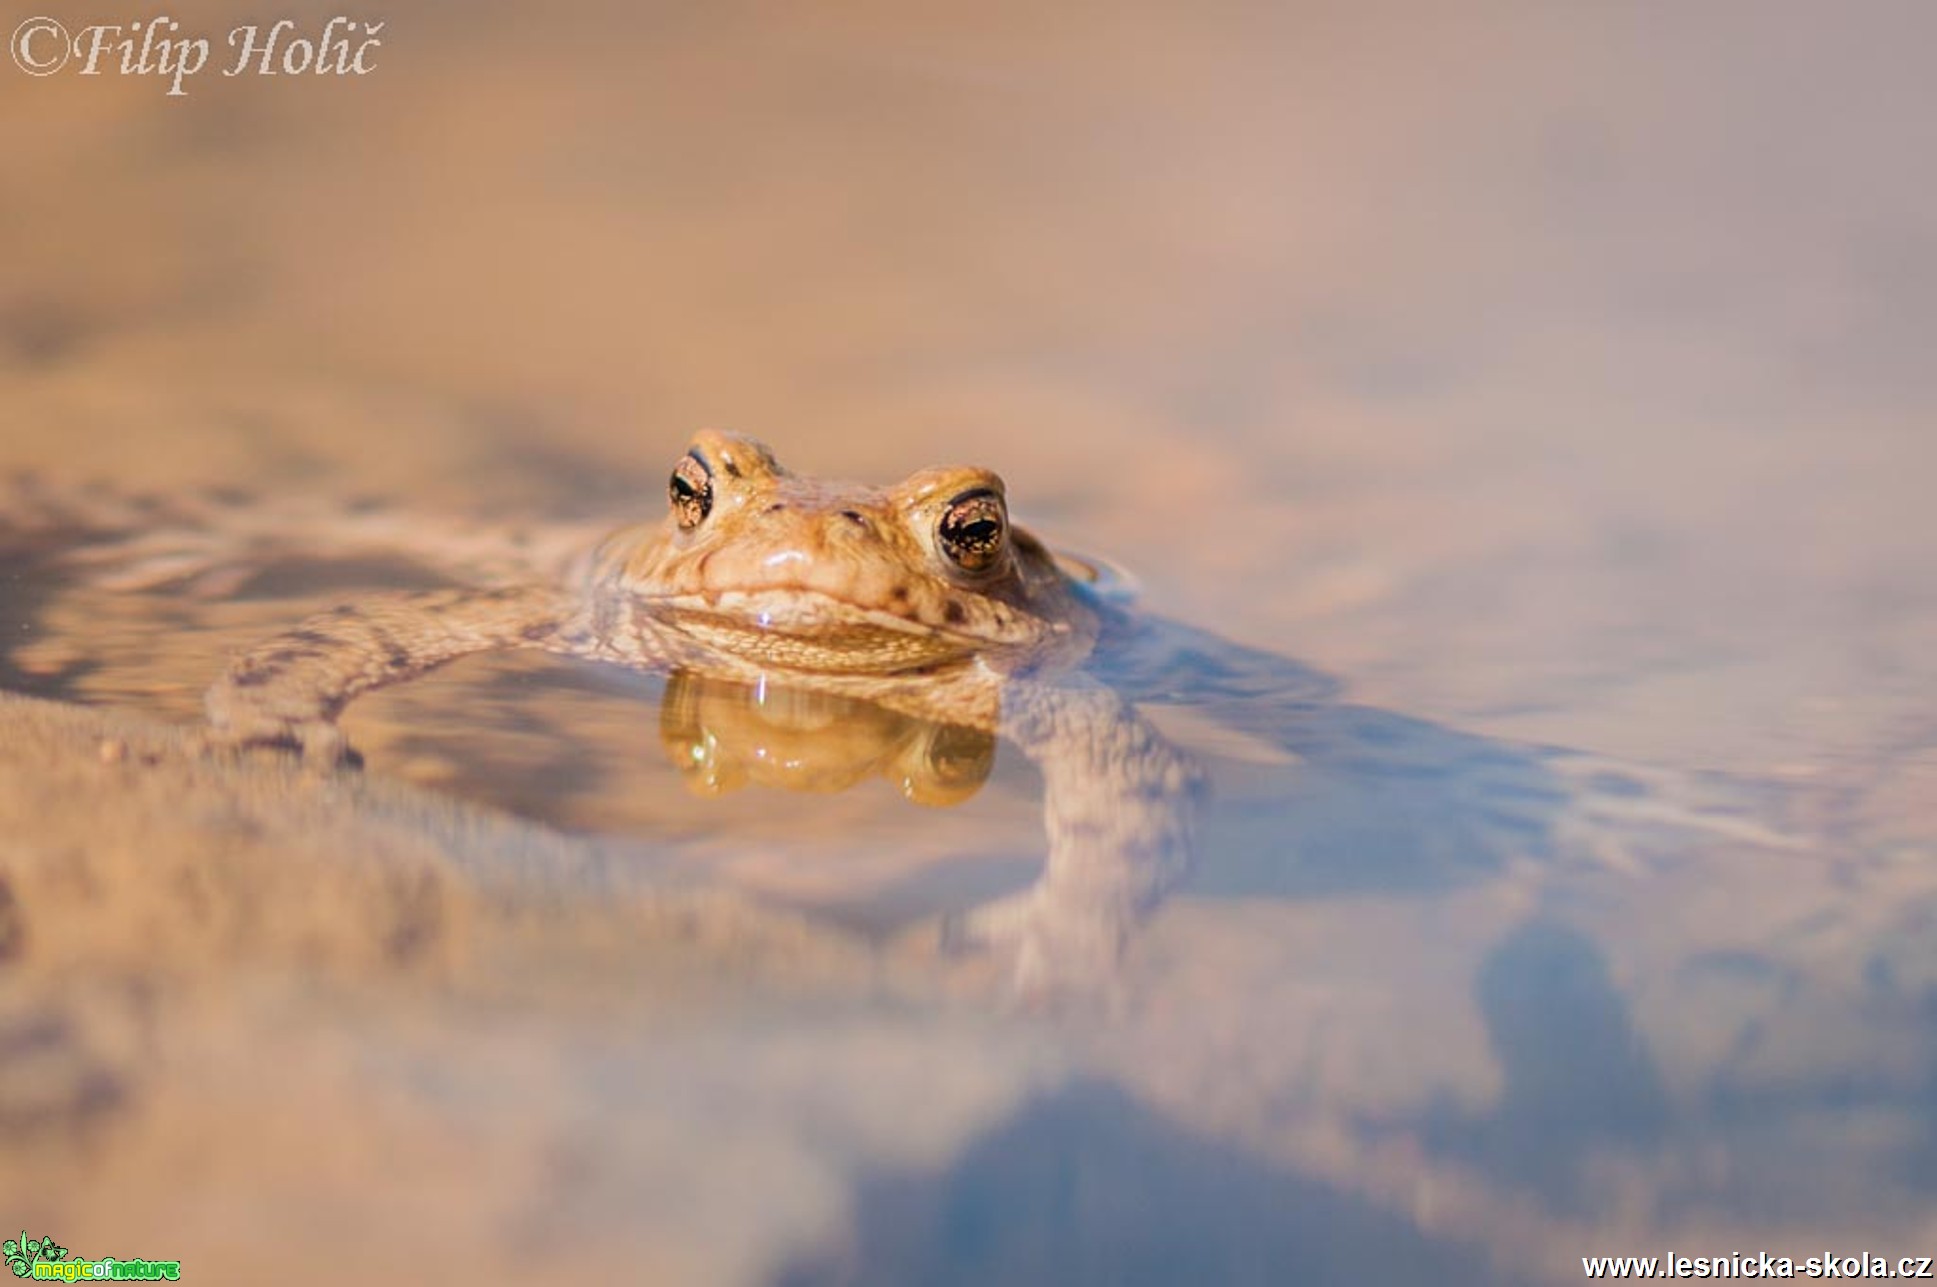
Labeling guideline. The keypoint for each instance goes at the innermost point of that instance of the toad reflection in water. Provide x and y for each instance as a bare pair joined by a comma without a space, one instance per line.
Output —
911,626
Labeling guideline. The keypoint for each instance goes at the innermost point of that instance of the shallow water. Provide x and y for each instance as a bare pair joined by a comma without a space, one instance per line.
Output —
1547,391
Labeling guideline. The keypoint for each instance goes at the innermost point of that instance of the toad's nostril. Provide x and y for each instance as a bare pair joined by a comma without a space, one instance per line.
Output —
855,517
776,507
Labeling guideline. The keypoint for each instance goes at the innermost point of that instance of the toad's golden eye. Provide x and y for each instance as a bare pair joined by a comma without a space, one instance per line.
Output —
973,530
691,492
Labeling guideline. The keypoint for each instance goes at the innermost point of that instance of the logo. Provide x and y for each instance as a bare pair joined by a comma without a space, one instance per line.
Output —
46,1260
23,1253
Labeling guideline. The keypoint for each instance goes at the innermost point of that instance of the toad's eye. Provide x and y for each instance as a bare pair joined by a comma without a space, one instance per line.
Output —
691,492
973,529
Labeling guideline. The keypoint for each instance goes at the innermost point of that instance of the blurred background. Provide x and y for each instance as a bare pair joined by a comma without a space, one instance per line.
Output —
1556,372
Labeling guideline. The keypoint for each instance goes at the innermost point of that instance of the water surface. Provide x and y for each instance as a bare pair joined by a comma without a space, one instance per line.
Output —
1547,387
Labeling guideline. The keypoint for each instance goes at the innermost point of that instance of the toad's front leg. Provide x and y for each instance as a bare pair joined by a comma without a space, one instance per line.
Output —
289,690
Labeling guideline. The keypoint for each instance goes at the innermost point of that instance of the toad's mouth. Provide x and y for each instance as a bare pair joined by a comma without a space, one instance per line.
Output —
810,631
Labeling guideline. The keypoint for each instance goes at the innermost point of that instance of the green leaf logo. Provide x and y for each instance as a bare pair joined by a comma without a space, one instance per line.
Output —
16,1258
21,1253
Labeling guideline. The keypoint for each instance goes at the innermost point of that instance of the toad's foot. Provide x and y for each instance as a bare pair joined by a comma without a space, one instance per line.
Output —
1049,947
322,745
288,691
1119,806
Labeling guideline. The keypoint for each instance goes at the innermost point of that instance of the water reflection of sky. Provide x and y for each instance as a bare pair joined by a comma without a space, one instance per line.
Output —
1542,376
